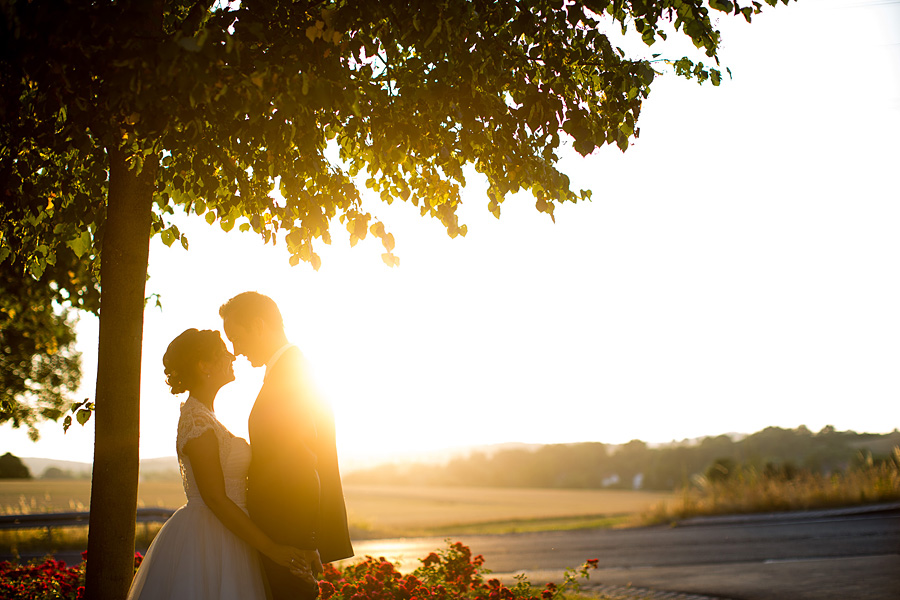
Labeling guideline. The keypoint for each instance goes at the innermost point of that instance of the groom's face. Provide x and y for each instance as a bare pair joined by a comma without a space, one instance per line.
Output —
247,340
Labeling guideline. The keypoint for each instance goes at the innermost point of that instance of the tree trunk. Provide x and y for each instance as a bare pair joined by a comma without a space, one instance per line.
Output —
123,273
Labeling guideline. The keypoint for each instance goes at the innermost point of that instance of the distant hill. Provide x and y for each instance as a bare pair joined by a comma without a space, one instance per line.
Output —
37,466
151,468
431,457
155,469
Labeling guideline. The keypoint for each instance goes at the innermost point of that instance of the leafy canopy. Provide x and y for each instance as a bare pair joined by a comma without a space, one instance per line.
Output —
39,366
314,100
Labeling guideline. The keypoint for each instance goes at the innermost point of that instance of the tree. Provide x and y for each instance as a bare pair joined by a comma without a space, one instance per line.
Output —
12,467
56,473
39,366
114,114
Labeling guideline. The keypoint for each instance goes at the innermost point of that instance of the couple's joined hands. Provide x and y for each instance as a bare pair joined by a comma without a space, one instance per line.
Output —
304,564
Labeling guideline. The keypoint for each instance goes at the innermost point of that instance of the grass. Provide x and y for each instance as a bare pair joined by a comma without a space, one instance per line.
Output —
532,525
751,491
24,496
42,541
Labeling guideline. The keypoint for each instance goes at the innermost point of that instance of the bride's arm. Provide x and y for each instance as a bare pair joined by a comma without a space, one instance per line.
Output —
203,452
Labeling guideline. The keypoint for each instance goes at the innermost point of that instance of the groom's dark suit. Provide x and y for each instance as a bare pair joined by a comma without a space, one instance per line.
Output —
294,491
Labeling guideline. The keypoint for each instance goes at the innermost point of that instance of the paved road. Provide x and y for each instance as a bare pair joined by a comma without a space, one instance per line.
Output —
825,555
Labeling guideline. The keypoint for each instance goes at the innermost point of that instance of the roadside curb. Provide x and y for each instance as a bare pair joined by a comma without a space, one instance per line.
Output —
598,588
788,515
619,592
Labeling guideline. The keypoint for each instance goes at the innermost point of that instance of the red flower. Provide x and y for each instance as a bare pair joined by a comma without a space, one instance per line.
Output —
326,589
431,559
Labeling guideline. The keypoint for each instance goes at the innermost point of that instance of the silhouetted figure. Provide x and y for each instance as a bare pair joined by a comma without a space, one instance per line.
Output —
294,486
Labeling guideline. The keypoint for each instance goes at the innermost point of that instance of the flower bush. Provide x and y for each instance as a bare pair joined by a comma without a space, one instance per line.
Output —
51,579
47,580
449,574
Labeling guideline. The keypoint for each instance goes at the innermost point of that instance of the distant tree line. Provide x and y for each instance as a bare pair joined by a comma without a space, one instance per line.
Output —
595,465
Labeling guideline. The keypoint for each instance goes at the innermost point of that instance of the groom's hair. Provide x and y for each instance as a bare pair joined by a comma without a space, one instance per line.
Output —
249,305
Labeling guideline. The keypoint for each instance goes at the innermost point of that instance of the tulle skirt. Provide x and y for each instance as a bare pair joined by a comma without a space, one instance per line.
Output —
195,557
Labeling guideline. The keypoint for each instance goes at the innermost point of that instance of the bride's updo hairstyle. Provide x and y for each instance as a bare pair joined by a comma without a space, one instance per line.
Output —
183,356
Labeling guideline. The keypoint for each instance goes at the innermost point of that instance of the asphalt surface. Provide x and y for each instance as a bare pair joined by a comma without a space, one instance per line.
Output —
821,555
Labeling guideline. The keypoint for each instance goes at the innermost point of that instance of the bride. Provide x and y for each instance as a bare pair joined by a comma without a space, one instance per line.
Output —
208,549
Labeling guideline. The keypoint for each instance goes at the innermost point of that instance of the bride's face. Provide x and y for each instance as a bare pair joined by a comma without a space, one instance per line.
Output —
221,369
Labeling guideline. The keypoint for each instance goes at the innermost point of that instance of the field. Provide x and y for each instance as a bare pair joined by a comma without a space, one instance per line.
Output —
383,511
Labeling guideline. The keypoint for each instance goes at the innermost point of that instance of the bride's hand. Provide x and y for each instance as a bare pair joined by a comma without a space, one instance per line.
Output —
293,558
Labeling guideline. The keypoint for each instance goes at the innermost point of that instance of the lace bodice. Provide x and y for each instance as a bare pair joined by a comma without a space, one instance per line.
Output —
234,452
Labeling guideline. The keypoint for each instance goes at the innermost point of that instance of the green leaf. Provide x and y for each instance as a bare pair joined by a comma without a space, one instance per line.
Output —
80,244
294,240
83,416
582,146
36,268
722,5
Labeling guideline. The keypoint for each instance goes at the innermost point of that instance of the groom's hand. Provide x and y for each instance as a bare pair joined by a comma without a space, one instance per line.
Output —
315,562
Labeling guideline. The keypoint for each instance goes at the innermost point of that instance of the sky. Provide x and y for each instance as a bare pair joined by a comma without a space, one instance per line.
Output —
736,269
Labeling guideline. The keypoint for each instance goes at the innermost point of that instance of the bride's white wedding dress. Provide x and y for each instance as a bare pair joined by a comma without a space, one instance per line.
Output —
194,556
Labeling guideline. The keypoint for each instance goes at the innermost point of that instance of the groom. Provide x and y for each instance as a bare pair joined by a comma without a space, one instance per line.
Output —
294,489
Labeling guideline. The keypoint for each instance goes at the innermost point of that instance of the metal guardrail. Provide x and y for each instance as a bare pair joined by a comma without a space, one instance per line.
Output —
69,519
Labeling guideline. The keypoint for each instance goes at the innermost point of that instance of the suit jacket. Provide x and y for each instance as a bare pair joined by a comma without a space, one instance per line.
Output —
294,491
